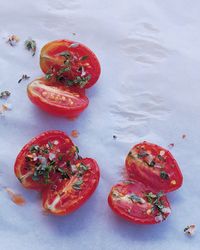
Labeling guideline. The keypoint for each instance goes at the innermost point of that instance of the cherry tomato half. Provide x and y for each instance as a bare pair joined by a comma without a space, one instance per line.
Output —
138,203
154,166
57,99
36,163
68,194
70,62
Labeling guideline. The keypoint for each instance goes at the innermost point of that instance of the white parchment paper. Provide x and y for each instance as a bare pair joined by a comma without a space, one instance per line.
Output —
149,90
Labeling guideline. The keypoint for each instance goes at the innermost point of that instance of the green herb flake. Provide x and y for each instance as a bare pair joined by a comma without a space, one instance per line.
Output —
66,54
64,173
34,149
155,200
135,198
50,144
48,76
84,167
30,45
60,157
77,149
77,184
84,58
152,163
161,158
164,175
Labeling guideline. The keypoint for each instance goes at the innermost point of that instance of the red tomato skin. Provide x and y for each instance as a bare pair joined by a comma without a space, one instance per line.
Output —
20,160
73,204
139,216
150,175
48,58
62,111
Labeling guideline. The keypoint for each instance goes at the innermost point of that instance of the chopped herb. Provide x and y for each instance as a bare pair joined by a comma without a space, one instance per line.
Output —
64,173
45,151
34,148
164,175
24,77
48,76
82,80
5,94
68,164
30,45
66,54
60,157
84,58
161,158
154,199
50,144
136,198
77,184
152,163
63,70
83,167
77,149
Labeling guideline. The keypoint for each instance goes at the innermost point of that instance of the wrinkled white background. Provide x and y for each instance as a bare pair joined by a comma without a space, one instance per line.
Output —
149,90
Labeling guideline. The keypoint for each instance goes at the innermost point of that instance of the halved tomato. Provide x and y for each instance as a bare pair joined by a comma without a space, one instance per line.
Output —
69,193
138,203
37,163
154,166
70,63
57,99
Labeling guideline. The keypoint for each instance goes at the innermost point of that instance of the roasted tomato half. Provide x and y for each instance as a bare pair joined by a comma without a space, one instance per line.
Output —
50,163
70,63
79,181
138,203
38,163
154,166
57,99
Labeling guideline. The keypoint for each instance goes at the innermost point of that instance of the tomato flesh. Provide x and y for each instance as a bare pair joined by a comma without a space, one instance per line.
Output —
57,99
154,166
137,203
66,195
42,152
67,60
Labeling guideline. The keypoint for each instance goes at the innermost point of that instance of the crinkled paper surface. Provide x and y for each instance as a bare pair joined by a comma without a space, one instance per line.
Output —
149,90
